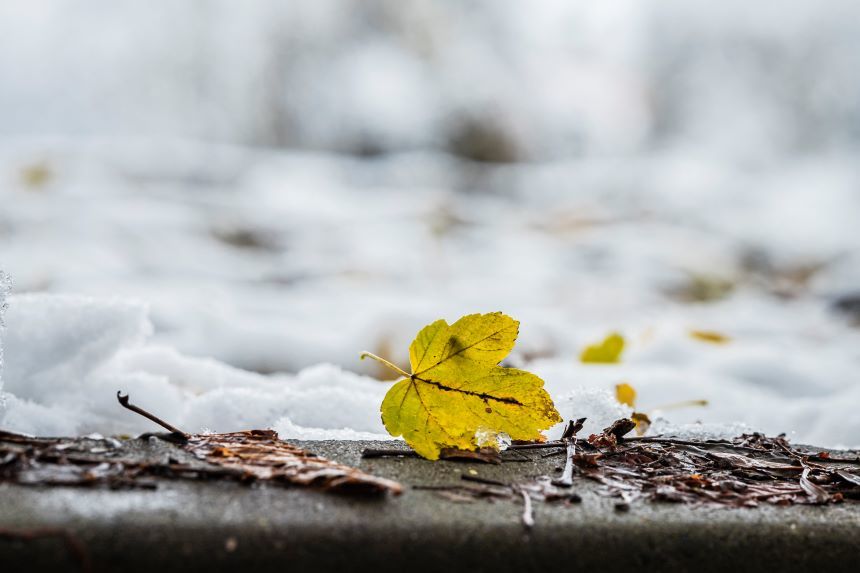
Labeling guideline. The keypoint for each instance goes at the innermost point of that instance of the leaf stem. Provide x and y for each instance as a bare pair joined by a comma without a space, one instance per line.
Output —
394,367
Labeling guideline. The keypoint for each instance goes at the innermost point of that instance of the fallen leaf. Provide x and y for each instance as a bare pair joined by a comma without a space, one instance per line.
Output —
625,394
704,288
254,455
260,454
815,492
607,351
37,175
710,336
643,422
456,388
849,477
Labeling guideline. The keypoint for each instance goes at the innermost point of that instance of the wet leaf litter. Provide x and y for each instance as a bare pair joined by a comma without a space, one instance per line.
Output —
248,456
745,472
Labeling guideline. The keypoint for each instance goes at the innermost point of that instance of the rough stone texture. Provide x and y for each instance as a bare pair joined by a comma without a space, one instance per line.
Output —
216,526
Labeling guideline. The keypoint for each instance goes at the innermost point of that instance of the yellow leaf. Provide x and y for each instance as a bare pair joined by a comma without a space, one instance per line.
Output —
456,388
37,175
606,352
626,394
710,336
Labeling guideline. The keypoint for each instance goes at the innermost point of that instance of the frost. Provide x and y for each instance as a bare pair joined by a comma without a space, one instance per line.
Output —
491,438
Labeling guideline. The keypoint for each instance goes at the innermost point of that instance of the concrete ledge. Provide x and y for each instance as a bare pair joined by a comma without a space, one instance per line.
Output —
217,526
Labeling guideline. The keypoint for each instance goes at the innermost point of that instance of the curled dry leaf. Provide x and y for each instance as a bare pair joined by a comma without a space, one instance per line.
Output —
815,492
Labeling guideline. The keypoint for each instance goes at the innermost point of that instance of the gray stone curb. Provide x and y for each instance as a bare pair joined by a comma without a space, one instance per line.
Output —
217,526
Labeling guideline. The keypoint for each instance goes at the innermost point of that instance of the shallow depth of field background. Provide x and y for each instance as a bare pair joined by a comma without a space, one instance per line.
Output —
248,194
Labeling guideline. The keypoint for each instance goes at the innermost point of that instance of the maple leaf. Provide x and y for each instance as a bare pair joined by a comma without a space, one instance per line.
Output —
456,388
608,351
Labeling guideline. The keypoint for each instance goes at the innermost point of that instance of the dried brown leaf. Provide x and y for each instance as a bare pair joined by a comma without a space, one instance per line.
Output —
262,455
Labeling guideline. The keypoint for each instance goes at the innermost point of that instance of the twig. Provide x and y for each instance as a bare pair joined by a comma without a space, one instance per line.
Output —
569,438
123,400
566,479
538,446
699,444
382,453
528,513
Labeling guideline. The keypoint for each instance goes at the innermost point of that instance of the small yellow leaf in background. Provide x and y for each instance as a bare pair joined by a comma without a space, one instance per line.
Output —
457,389
710,336
626,394
606,352
37,175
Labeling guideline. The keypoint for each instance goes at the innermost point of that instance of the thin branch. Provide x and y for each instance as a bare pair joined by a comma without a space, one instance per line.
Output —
383,453
528,514
537,446
123,400
569,439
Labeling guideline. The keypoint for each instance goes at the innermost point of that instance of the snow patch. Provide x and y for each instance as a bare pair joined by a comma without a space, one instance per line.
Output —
68,356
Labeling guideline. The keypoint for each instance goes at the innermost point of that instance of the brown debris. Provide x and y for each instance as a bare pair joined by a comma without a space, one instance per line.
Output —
261,455
569,439
610,437
748,471
743,472
239,456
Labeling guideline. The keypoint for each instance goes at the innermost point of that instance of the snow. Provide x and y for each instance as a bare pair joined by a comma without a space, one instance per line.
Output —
231,204
70,355
5,285
67,356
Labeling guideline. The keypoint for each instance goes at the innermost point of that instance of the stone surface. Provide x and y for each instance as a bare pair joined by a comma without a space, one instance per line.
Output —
218,526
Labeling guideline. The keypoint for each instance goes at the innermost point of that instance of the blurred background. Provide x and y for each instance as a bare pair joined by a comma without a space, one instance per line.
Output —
288,183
